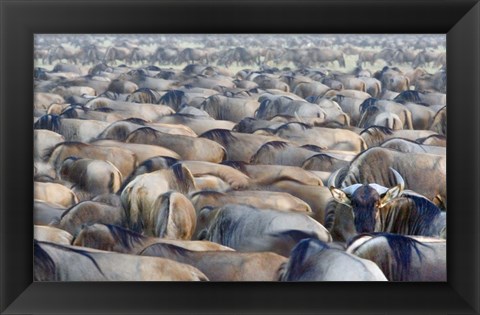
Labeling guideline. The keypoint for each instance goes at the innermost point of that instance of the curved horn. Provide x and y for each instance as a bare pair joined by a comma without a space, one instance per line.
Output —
332,180
379,188
350,190
398,179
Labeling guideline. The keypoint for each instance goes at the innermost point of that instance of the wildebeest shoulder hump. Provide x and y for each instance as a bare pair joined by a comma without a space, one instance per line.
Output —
222,135
125,237
382,129
238,165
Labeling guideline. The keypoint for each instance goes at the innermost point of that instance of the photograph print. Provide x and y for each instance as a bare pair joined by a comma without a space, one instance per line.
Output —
240,157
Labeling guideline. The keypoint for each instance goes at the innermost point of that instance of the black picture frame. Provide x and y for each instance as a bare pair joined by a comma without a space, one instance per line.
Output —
21,19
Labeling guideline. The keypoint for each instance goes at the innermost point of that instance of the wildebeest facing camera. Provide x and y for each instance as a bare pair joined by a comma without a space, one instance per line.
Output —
306,157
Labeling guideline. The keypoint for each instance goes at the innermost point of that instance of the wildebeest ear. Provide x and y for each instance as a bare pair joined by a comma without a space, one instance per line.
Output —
340,196
391,194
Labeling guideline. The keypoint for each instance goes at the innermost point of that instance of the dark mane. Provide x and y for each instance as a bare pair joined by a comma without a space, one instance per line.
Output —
370,111
126,238
64,213
48,152
286,125
438,136
70,112
294,236
401,247
326,158
219,135
284,241
151,97
43,263
104,109
184,182
400,138
382,129
138,121
274,145
299,256
149,165
164,250
444,121
403,139
152,68
423,216
331,124
367,103
172,97
330,214
185,115
408,96
238,165
145,131
74,250
313,147
49,122
189,69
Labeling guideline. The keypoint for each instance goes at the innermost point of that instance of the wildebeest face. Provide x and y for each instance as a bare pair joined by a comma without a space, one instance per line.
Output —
365,201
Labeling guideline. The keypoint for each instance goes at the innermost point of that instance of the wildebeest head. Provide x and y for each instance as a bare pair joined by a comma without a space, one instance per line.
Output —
365,199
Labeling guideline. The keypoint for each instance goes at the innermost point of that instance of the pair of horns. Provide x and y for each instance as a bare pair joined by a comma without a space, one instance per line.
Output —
340,173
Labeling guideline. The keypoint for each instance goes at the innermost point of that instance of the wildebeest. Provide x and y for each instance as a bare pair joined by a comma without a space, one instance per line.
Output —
223,265
114,54
192,55
314,260
439,122
150,205
46,212
89,212
124,160
376,135
148,112
407,146
142,152
171,216
421,172
238,146
119,130
233,177
245,228
91,177
281,153
63,52
403,258
367,208
371,109
71,129
254,198
188,148
164,54
229,108
54,193
54,262
328,138
199,125
117,239
272,107
393,79
325,55
51,234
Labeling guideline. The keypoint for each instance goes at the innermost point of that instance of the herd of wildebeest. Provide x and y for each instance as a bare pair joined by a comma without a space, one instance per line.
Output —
239,158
